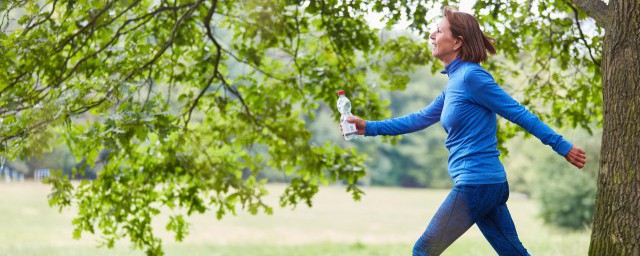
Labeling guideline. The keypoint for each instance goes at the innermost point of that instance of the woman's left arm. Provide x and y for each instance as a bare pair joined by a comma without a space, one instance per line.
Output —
483,90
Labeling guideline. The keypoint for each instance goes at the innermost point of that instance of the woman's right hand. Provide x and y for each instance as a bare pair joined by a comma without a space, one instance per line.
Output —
576,157
361,124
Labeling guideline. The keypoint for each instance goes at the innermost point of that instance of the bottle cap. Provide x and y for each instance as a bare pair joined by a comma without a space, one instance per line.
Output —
341,92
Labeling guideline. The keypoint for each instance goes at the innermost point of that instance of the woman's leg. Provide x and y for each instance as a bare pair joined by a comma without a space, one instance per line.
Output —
497,226
452,219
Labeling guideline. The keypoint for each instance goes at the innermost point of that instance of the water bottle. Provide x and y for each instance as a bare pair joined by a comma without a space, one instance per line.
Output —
349,130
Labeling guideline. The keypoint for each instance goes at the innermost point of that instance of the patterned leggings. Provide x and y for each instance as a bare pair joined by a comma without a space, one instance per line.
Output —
482,204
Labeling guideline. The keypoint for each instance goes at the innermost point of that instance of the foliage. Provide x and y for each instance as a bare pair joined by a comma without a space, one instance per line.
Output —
402,162
180,94
418,159
185,95
567,199
550,46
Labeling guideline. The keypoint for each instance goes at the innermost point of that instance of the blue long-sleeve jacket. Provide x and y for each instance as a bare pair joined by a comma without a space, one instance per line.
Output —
467,109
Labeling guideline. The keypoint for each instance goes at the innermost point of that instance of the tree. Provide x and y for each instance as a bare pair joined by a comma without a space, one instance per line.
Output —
154,84
616,220
186,98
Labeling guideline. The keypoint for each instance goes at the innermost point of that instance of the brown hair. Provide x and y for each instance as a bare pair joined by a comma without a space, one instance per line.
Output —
475,44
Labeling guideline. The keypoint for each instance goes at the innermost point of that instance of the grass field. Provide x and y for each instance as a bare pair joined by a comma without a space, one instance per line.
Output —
386,222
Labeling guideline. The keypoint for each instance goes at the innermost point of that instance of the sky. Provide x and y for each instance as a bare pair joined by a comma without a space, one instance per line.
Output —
374,18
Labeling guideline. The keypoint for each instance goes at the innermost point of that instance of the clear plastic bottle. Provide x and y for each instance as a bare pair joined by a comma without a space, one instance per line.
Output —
349,130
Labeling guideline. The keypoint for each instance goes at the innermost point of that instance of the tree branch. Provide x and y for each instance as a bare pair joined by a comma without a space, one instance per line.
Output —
64,77
256,68
336,49
88,107
5,17
48,17
150,15
90,24
584,40
207,22
234,56
226,84
15,81
596,9
235,92
164,48
169,42
295,53
195,101
87,57
216,71
23,132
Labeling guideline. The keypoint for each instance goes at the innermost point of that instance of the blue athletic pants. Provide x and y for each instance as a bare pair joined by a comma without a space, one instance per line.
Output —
484,205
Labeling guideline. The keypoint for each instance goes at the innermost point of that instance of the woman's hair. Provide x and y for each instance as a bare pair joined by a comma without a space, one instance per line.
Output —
475,44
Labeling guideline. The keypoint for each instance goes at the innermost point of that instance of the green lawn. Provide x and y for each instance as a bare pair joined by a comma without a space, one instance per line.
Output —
386,222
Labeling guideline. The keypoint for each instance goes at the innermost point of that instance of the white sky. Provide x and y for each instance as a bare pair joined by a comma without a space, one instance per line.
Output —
374,18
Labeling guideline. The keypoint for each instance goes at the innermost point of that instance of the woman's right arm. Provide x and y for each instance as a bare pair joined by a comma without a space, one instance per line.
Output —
409,123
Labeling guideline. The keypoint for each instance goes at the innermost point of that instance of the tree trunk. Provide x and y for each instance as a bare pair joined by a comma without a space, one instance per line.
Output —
616,224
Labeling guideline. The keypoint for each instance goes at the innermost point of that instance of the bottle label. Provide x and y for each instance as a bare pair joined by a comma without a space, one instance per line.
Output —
348,128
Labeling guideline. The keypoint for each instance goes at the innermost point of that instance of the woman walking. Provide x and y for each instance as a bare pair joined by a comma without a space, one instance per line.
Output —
467,109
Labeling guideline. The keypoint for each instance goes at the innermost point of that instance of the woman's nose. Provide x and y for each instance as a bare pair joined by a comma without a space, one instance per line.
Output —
432,35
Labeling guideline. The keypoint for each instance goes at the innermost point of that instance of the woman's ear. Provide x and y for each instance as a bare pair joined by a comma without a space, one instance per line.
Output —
457,44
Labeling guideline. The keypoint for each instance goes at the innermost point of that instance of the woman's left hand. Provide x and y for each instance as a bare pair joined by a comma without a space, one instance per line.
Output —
577,157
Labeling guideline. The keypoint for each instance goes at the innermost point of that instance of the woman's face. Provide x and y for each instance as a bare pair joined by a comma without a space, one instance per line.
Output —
445,47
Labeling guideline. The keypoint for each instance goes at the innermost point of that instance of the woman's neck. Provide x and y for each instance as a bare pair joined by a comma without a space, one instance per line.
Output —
448,59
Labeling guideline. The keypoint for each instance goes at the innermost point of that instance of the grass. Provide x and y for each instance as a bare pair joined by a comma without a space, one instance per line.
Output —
386,222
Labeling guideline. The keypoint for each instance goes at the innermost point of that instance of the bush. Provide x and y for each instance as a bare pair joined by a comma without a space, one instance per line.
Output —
567,195
567,200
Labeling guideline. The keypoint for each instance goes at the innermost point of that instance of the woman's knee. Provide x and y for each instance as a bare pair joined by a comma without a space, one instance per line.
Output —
425,247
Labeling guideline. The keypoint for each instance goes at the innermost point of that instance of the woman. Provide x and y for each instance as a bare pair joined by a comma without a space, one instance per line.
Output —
467,109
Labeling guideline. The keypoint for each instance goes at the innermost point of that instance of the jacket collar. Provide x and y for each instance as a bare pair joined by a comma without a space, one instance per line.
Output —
452,67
